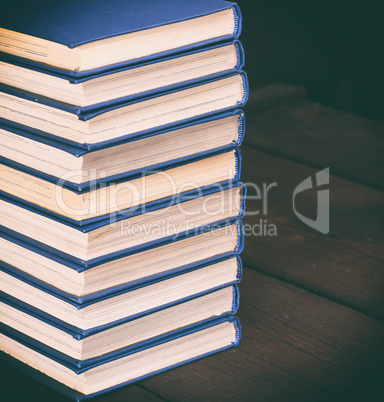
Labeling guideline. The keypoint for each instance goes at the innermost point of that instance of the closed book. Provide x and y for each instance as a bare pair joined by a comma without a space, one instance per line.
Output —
134,363
106,195
120,193
127,115
131,265
137,264
109,160
123,81
85,35
131,228
91,314
86,345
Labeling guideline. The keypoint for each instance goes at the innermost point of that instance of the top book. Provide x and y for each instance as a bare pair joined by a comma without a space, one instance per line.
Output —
81,35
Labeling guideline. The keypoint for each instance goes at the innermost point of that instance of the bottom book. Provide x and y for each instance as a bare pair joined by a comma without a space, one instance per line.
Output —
133,364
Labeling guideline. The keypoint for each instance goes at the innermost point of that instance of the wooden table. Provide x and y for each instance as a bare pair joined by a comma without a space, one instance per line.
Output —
311,304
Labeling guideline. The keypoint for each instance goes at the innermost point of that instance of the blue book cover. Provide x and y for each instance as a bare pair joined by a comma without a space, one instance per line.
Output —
76,77
65,23
84,365
77,256
81,266
78,150
146,345
93,185
83,302
87,113
151,110
106,174
87,225
74,24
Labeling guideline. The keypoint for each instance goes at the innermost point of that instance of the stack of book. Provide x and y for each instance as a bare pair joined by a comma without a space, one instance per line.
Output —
120,194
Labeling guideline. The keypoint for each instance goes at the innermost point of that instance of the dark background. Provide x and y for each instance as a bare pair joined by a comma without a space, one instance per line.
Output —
333,48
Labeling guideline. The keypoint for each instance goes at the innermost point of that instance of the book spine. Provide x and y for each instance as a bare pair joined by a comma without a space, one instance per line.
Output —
240,55
81,265
237,164
239,268
77,396
237,325
237,20
240,237
236,299
240,128
243,199
245,86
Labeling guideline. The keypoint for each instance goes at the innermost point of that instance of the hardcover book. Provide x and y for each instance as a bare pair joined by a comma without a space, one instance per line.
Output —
120,199
85,35
134,363
43,153
137,228
99,197
91,314
85,345
124,81
126,115
130,265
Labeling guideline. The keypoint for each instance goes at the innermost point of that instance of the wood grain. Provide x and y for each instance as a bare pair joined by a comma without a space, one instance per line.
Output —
345,266
311,304
316,135
295,346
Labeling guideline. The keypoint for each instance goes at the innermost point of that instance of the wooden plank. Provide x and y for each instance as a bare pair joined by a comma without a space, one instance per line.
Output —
345,266
319,136
295,346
